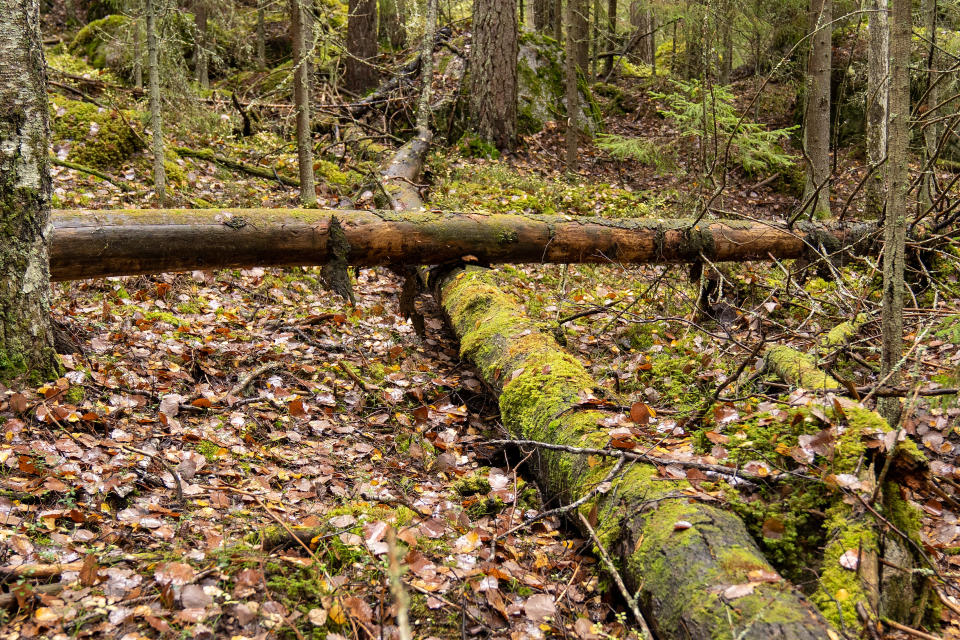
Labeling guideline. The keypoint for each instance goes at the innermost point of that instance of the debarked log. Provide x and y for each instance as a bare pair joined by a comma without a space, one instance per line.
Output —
697,571
89,244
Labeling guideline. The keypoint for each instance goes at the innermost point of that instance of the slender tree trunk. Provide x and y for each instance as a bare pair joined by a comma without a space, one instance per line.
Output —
611,43
579,31
137,53
392,30
594,39
301,100
26,339
651,41
493,70
575,24
931,133
201,59
557,20
361,75
156,110
878,65
426,56
895,220
543,15
261,35
816,130
727,15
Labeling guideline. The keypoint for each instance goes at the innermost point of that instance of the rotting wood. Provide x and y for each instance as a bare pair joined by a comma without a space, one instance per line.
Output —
89,244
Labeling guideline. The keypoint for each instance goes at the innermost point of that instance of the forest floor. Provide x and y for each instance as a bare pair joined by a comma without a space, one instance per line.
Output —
151,491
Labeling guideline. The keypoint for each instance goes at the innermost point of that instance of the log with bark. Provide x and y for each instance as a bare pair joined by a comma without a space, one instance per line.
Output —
680,555
89,244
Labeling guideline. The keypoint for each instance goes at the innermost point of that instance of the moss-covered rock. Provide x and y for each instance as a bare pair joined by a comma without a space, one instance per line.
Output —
94,136
96,41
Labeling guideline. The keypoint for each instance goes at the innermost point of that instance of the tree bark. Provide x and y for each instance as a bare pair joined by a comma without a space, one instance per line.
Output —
156,108
392,29
137,55
726,18
679,570
301,100
493,71
816,130
878,65
26,339
201,56
361,75
931,132
261,35
611,35
895,219
572,91
89,244
543,15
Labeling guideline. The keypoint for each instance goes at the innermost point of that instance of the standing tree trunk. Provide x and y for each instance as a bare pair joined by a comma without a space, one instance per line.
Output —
557,20
26,339
611,35
493,71
878,65
578,30
895,220
361,46
261,35
726,18
931,132
301,100
575,27
391,24
137,54
201,57
156,113
816,129
543,15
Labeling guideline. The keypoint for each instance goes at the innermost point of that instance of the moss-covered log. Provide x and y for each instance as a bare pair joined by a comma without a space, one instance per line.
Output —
236,165
799,369
681,553
87,244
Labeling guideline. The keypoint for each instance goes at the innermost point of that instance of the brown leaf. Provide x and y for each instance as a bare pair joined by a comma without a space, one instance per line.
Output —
296,408
174,573
358,609
89,570
539,607
640,413
773,528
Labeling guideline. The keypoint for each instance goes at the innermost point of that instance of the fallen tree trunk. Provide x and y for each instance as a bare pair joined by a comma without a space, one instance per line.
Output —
90,244
678,555
685,556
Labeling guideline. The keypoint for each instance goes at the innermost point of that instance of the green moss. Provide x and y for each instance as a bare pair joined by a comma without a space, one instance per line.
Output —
98,138
209,450
92,40
472,484
842,333
797,368
75,395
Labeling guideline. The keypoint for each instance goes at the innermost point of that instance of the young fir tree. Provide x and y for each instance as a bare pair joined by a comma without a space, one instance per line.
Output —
301,100
816,129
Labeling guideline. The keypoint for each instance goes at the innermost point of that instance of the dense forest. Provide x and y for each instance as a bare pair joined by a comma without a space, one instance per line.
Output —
394,319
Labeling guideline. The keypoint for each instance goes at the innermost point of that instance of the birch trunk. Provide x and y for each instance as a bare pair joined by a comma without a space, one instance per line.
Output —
26,340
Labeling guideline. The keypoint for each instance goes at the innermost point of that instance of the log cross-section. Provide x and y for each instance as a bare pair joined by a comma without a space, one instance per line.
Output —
89,244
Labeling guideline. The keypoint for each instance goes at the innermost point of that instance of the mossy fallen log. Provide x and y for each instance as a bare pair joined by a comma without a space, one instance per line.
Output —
876,535
236,165
698,572
88,244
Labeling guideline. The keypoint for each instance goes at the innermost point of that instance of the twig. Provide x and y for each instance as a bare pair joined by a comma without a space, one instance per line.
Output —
343,366
566,508
909,630
631,600
10,601
248,379
93,172
164,464
729,472
396,587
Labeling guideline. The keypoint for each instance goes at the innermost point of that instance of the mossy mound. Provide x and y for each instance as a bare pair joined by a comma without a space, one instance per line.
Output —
97,137
96,42
540,87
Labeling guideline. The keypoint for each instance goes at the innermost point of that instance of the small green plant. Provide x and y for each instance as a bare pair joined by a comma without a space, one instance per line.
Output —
711,118
645,151
473,146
